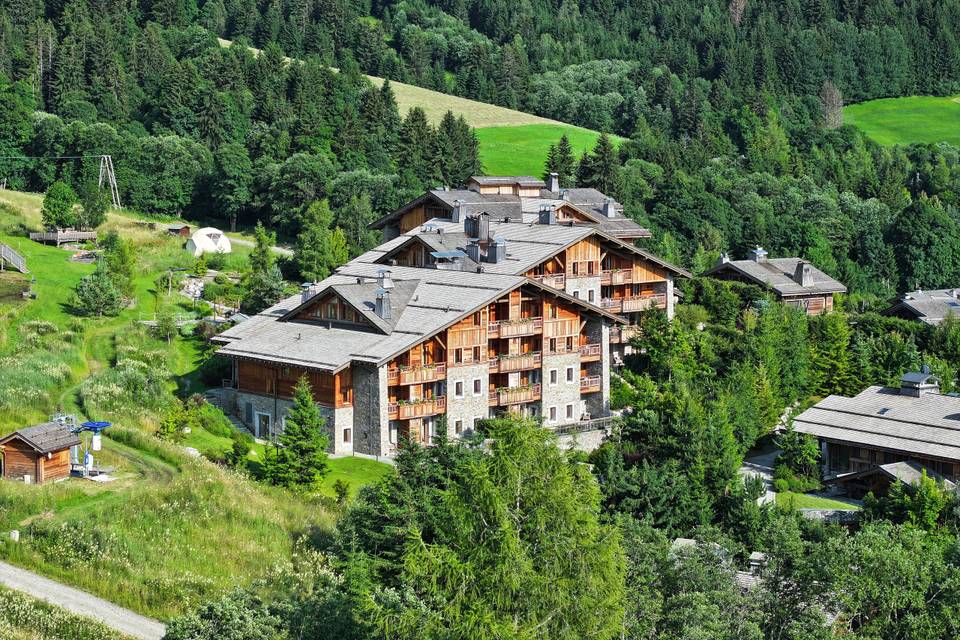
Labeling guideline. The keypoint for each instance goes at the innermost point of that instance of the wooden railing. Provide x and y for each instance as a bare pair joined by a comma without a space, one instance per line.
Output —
581,426
591,351
417,375
634,303
515,328
515,395
517,362
555,280
623,334
18,262
616,276
63,236
561,327
460,338
416,409
590,384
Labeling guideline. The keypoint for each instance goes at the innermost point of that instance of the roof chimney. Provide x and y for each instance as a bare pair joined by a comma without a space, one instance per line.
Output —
473,250
723,259
609,209
382,307
758,254
306,291
497,253
565,195
918,383
457,215
554,184
803,274
384,281
548,215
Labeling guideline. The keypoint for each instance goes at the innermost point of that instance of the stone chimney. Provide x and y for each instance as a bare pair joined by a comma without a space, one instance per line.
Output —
918,383
803,274
757,255
548,215
498,251
457,215
384,281
723,259
382,306
306,291
553,185
473,250
609,210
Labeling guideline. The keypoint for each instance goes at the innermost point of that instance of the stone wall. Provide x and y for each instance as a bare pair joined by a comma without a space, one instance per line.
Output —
562,393
246,406
371,428
586,441
470,406
583,285
343,419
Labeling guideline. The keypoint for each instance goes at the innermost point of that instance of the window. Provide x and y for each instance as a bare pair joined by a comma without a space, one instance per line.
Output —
569,374
347,435
553,414
575,293
458,427
477,386
569,412
393,433
590,295
458,389
553,376
473,423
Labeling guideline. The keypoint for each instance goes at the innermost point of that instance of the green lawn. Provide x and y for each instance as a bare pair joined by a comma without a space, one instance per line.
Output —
805,501
522,150
892,121
356,472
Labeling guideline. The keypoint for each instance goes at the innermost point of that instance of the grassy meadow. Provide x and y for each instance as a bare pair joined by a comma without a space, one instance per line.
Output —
171,530
522,150
891,121
25,618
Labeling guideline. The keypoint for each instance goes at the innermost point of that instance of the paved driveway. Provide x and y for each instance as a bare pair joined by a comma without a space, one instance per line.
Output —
81,602
762,465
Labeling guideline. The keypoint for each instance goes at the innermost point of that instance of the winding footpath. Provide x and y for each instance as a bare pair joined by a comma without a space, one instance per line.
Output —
81,602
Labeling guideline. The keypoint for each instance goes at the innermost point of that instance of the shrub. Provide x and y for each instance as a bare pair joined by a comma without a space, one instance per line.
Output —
214,421
780,485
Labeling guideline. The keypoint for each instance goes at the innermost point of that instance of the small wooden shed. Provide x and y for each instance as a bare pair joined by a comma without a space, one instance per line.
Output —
41,452
182,230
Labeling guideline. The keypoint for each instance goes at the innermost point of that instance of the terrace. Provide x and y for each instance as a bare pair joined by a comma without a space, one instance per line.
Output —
416,408
417,374
516,395
506,363
515,328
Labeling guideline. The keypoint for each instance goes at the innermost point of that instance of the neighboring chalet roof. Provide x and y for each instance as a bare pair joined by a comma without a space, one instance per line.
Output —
907,472
931,307
778,274
883,417
528,245
44,438
426,302
515,208
493,181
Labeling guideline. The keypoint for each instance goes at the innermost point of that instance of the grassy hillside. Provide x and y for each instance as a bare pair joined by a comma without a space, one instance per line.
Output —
906,120
522,150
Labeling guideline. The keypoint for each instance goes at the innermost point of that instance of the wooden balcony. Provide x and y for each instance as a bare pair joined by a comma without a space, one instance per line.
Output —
463,338
590,384
518,362
619,335
417,375
517,395
634,303
561,328
591,352
616,276
515,328
416,409
555,280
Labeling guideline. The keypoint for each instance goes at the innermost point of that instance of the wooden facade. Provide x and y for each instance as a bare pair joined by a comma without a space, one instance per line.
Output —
275,380
21,460
814,305
851,458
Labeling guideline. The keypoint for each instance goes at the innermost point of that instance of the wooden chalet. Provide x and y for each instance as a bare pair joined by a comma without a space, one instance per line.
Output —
38,454
929,307
794,281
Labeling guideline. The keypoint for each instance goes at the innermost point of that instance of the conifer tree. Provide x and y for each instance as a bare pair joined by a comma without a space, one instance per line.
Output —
560,160
300,458
600,167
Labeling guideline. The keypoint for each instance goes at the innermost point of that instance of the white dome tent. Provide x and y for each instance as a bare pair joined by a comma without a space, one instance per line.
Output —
208,240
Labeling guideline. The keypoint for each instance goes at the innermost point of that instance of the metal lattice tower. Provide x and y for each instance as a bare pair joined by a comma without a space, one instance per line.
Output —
107,173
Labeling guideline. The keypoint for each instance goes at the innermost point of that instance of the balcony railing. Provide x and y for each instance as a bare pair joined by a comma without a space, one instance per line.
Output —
590,352
417,375
634,303
555,280
620,335
516,395
515,328
417,408
616,276
590,384
581,426
561,328
516,362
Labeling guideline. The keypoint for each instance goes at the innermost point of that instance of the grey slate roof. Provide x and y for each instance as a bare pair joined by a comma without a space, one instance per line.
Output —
526,181
45,438
435,299
777,274
928,426
907,472
931,307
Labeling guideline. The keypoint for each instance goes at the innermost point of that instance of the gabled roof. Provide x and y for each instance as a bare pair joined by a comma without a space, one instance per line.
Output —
931,307
778,273
44,438
907,472
883,417
524,181
437,299
362,297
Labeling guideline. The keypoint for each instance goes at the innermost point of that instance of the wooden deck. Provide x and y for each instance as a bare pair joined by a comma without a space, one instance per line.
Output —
60,237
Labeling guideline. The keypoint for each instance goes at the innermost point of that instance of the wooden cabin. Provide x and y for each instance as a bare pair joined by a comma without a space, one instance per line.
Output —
38,454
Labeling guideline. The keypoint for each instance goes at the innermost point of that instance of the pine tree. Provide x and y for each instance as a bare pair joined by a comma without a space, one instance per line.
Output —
262,258
417,141
313,253
600,168
560,160
96,294
300,459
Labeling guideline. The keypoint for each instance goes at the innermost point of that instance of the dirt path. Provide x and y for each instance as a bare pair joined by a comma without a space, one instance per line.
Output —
81,602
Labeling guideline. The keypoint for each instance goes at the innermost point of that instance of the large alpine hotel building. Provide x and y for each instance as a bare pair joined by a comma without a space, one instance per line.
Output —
508,295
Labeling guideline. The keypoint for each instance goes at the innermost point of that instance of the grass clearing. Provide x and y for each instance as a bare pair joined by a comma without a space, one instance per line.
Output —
522,150
891,121
25,618
789,499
